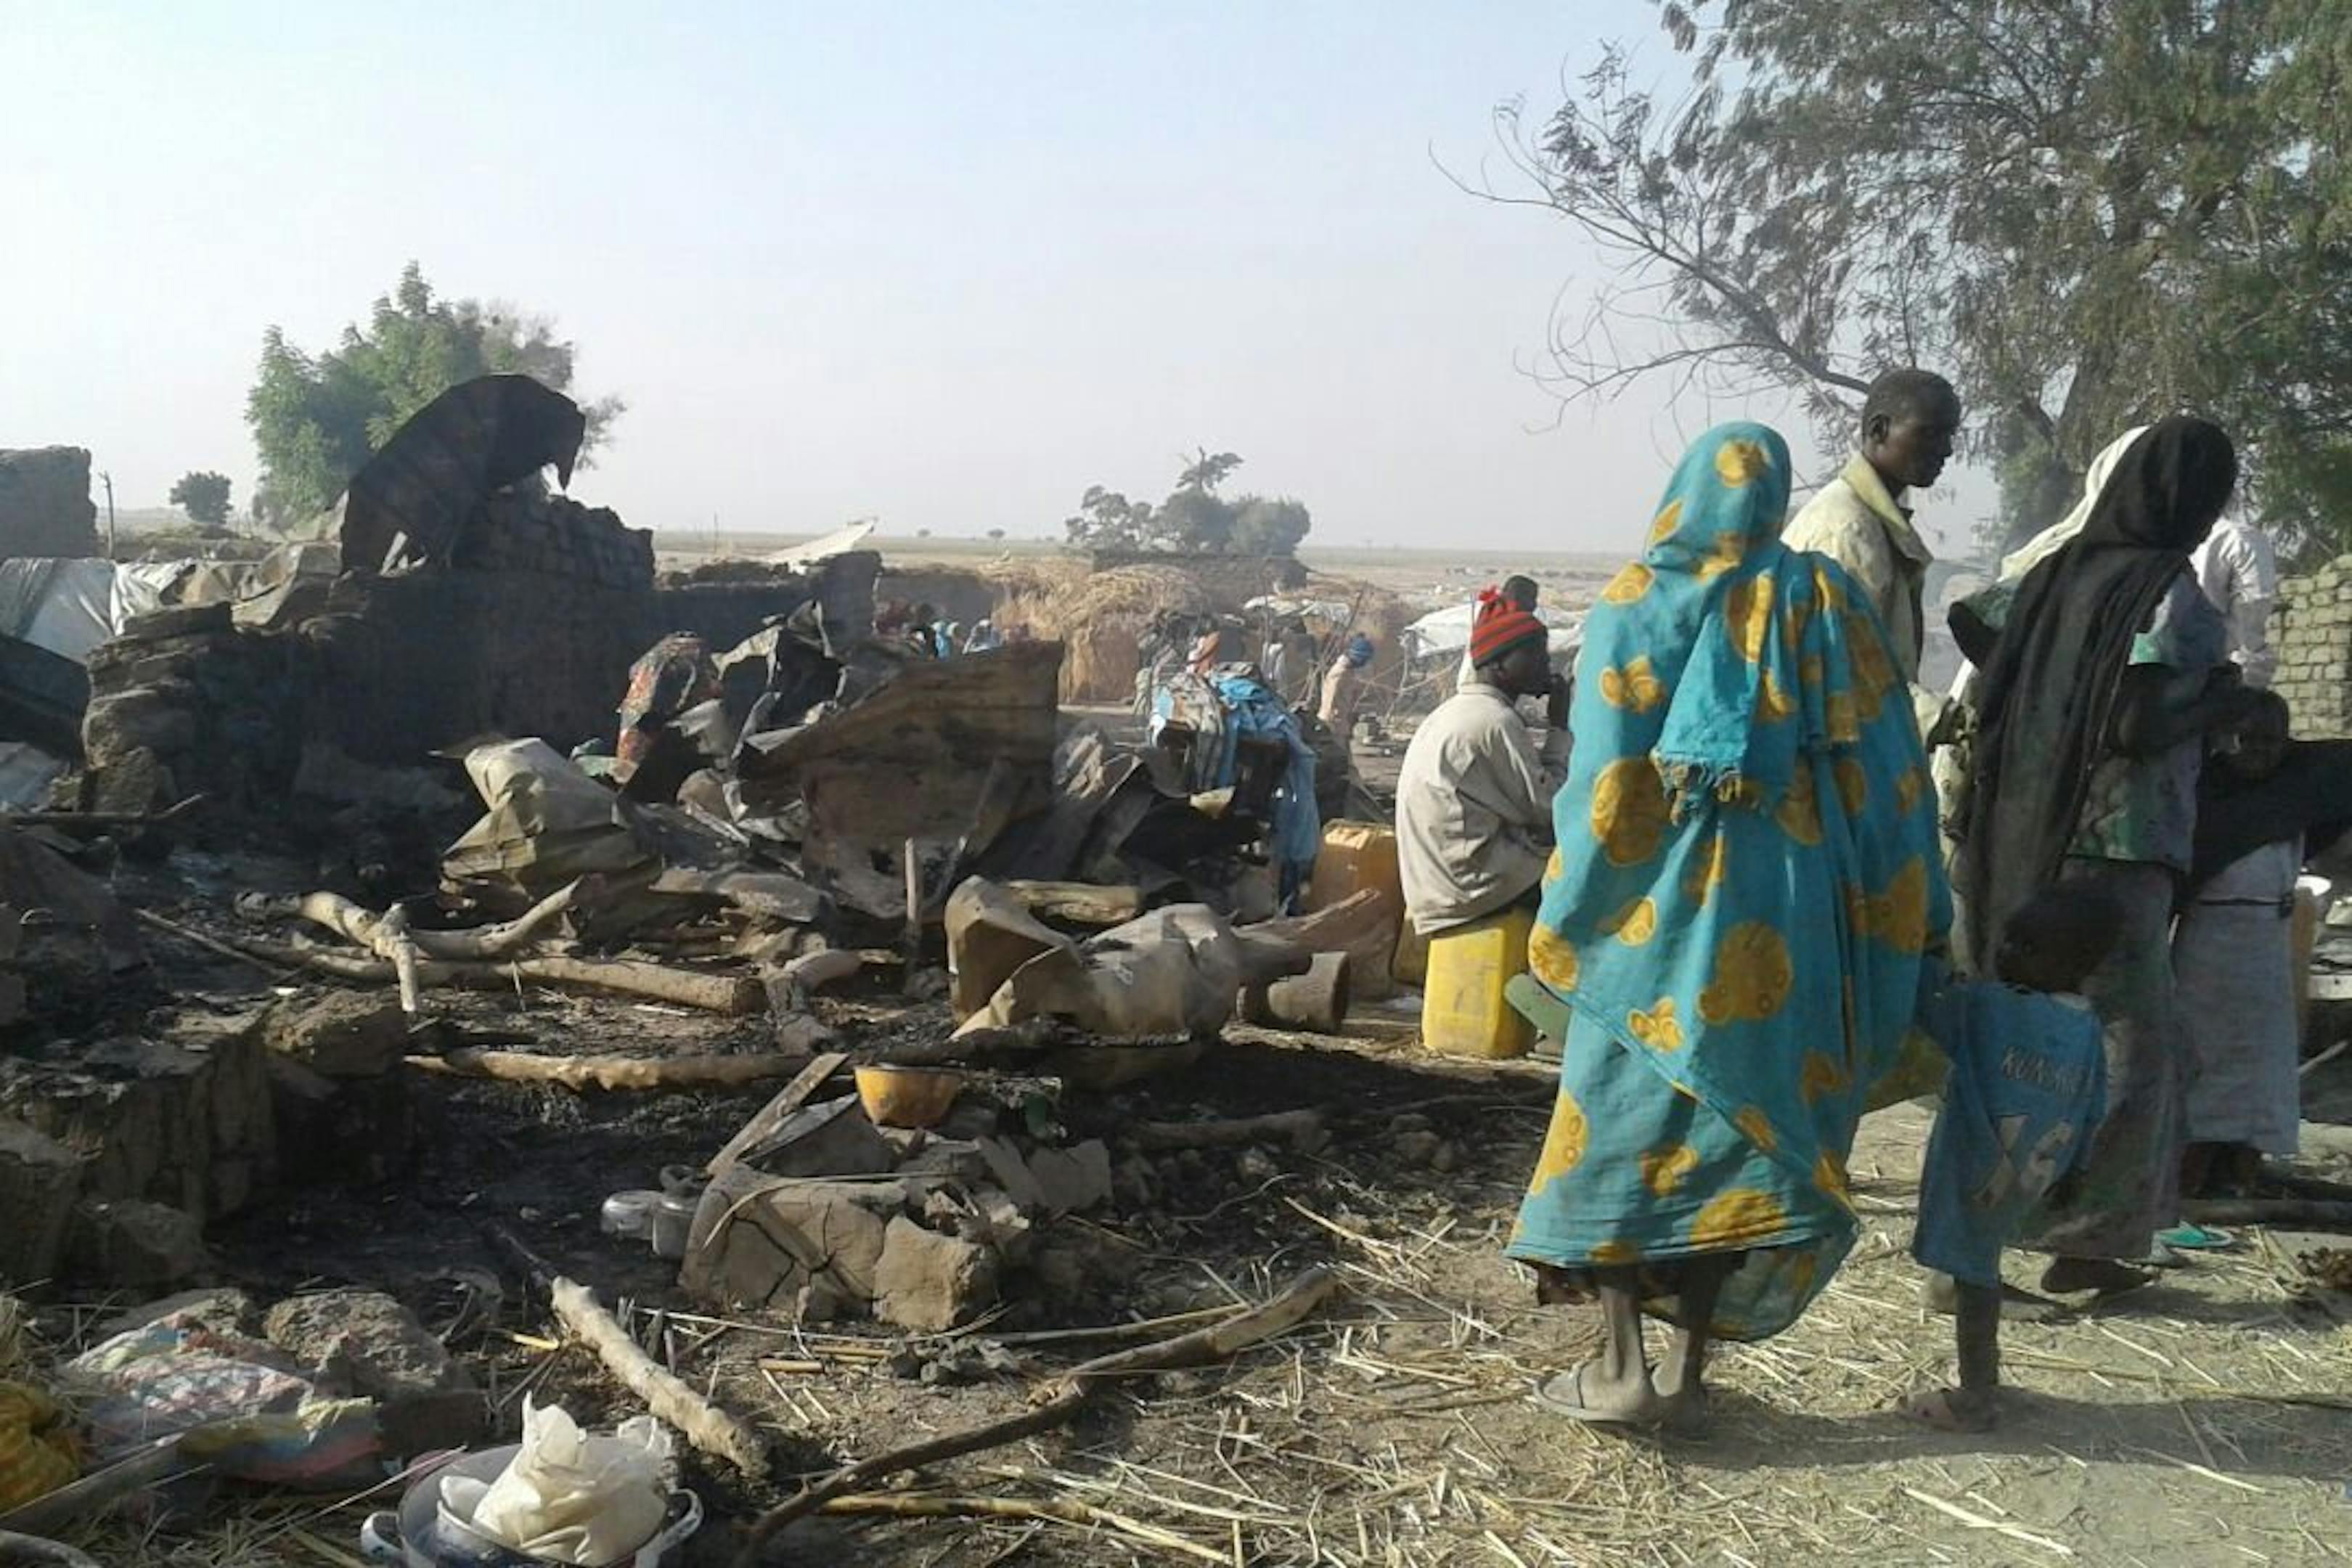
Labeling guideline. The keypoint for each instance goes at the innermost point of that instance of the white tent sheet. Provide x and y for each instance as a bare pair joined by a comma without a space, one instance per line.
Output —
70,605
1444,634
840,541
1335,611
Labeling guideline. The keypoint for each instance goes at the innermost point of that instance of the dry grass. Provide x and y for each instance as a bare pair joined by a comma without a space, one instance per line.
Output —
1099,617
2201,1424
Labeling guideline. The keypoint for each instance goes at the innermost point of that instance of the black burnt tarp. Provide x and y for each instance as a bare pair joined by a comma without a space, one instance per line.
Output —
414,497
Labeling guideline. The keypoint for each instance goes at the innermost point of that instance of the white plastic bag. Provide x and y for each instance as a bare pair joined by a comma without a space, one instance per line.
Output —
579,1497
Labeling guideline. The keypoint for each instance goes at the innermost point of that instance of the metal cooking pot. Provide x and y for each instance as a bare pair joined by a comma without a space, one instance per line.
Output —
424,1533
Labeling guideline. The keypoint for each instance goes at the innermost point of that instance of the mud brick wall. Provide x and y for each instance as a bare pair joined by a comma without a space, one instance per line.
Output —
556,536
187,703
723,613
1229,581
405,666
45,505
2312,631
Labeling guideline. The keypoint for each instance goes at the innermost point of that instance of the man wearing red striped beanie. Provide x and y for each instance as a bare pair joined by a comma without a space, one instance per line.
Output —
1474,798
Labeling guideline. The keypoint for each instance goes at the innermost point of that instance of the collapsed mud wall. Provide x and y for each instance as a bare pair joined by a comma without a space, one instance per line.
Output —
408,665
45,505
723,613
404,666
2312,632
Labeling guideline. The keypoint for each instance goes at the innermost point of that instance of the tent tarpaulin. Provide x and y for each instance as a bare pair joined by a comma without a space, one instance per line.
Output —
1446,633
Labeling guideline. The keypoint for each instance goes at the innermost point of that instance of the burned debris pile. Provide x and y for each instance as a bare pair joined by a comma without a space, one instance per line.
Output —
323,841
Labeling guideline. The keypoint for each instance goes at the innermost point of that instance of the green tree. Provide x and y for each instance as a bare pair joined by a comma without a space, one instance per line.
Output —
204,496
2087,212
1105,520
1205,472
1195,518
1268,527
316,419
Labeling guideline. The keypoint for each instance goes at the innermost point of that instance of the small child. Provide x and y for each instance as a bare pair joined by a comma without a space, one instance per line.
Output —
2027,1088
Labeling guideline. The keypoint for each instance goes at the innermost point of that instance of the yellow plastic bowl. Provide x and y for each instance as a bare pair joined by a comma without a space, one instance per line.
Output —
907,1097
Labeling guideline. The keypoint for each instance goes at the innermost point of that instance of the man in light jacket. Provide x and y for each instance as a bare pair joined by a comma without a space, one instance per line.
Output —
1475,794
1910,420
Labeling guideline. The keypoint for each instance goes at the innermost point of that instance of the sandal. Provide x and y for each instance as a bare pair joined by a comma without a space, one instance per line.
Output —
1563,1394
2195,1238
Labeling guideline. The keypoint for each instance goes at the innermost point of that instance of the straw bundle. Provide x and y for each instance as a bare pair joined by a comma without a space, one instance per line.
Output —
1099,617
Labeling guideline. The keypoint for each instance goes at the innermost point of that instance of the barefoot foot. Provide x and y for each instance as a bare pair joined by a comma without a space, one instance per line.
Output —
1955,1409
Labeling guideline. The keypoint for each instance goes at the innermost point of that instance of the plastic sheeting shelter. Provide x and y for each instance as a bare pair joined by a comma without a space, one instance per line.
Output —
1446,632
68,607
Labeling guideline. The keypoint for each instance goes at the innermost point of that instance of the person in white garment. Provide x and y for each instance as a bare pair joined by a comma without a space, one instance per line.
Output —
1473,796
2233,957
2238,569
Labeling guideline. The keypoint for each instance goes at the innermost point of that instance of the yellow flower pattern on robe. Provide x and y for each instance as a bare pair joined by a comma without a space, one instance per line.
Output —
1752,975
1873,670
1564,1145
1667,521
1657,1026
1737,1217
1829,1175
1909,786
1629,811
1635,686
1628,585
1852,785
1773,702
1739,463
1757,1127
1844,720
1634,924
1898,917
1799,812
1747,616
1616,1254
1663,1169
1728,553
1553,958
1822,1074
1706,870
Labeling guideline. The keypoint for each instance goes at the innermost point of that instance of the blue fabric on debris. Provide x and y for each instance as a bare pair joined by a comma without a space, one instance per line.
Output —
1254,712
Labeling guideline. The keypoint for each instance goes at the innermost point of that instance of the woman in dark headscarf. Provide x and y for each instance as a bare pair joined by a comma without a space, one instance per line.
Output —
2107,671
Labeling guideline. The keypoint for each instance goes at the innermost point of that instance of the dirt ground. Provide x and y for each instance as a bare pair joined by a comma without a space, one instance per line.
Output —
2204,1422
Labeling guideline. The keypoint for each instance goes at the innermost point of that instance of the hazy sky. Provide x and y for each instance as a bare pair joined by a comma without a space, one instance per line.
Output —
943,264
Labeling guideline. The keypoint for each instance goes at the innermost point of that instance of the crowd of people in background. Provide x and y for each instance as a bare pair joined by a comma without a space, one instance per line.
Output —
925,633
1779,882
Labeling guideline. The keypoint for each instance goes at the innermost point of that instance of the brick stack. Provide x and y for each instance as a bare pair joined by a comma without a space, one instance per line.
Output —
2312,631
45,505
185,702
556,536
